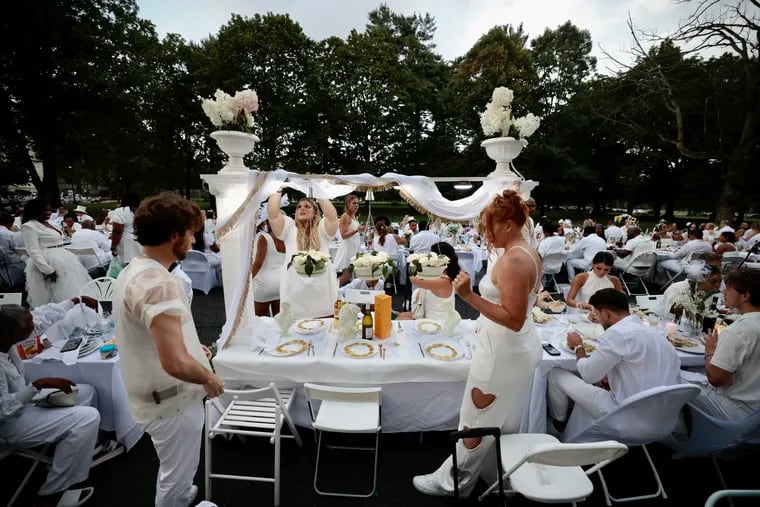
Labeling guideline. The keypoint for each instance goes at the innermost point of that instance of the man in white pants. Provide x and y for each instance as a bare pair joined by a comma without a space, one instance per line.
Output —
629,358
73,430
165,369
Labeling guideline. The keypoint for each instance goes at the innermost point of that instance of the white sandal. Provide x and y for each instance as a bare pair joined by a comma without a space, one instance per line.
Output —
73,497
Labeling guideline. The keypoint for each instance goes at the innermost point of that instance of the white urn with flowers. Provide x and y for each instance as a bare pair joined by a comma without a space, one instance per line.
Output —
234,117
512,132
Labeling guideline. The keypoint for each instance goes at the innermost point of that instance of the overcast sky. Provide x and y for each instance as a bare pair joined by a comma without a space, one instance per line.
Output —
459,22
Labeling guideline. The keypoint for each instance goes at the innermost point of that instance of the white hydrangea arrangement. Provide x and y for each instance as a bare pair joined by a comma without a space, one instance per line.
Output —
497,119
453,230
372,265
308,263
418,262
232,113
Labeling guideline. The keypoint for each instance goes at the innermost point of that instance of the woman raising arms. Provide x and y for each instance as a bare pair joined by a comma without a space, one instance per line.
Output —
312,296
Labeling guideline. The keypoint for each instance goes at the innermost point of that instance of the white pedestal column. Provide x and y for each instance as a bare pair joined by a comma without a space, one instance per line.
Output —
230,189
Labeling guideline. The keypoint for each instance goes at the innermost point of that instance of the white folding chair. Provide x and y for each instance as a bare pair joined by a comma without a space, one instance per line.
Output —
542,469
731,260
552,265
256,413
638,268
646,303
344,410
196,266
718,438
674,275
646,417
10,298
37,457
712,500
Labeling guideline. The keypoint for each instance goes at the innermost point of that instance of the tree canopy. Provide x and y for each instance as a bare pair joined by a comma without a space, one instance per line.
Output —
95,97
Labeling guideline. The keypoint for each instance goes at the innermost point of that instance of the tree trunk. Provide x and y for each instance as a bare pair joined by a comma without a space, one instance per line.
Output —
738,165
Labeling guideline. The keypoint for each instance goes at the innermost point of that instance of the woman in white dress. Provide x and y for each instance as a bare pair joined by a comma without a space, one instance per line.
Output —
350,230
433,297
311,296
586,284
123,242
384,239
266,271
507,347
53,274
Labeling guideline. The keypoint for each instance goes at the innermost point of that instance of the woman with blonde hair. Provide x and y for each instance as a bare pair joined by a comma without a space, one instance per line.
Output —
311,296
350,238
507,347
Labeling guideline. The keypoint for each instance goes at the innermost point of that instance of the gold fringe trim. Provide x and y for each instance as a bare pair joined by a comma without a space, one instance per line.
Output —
232,222
376,188
244,299
414,204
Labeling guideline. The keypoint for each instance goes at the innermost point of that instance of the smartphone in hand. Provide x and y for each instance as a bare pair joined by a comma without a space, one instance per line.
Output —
550,349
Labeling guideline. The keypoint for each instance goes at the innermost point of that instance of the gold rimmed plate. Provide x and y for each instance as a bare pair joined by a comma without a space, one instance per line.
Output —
685,344
443,351
359,349
310,326
588,346
289,348
426,326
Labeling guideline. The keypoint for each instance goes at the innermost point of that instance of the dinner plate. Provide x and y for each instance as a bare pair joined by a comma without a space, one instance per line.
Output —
426,326
546,320
359,349
444,351
588,330
685,344
310,326
588,345
289,348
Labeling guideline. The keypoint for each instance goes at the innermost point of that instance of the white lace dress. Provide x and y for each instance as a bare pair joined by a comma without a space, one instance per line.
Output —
592,285
46,255
128,247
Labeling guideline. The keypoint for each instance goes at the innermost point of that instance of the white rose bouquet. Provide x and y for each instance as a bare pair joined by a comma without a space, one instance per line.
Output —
453,230
497,119
232,113
308,263
431,263
370,266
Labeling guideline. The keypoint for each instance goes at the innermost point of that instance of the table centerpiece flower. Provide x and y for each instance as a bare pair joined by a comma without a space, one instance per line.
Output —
694,303
233,115
427,264
372,265
497,120
309,263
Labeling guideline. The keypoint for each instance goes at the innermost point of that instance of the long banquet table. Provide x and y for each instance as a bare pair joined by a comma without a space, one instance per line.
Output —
419,393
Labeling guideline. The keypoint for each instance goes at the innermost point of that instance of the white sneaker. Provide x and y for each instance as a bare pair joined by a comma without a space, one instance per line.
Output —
426,485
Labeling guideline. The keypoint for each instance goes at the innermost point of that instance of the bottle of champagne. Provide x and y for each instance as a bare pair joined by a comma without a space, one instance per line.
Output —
367,324
336,310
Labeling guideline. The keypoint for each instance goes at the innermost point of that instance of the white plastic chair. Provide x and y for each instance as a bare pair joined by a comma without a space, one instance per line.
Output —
467,263
712,500
731,260
100,289
716,438
10,298
344,410
552,265
646,417
37,457
196,266
638,267
542,469
256,413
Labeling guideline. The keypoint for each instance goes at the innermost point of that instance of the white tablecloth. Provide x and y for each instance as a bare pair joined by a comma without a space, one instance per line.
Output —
534,418
419,393
105,376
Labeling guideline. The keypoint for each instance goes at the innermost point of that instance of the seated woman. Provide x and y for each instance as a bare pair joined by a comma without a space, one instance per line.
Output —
433,297
586,284
725,243
384,240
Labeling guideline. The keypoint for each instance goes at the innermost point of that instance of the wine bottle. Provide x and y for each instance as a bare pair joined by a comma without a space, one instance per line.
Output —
367,324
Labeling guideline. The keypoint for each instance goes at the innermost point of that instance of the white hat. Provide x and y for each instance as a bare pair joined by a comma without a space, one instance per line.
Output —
80,209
